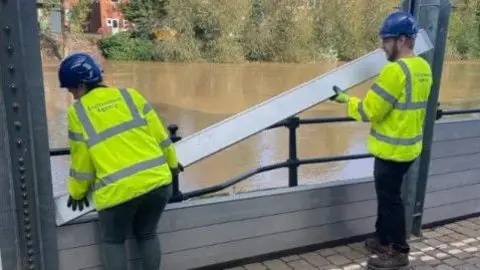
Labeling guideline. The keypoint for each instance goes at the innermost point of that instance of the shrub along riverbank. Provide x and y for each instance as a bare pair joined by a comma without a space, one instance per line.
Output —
269,30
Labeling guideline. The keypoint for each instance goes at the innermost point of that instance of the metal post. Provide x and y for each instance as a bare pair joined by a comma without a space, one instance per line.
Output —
433,16
177,195
293,124
27,218
409,183
408,6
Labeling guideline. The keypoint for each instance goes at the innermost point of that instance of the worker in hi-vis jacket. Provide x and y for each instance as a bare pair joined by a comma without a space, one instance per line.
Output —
395,105
121,152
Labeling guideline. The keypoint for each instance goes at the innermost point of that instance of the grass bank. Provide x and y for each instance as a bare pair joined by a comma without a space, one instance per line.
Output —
232,31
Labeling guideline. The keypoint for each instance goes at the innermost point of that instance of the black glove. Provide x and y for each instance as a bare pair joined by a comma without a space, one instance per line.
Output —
337,91
72,203
180,166
439,112
177,170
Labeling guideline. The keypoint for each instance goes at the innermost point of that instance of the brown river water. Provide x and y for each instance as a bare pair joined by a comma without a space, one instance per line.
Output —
195,96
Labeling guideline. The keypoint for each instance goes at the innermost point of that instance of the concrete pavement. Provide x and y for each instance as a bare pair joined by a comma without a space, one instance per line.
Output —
453,246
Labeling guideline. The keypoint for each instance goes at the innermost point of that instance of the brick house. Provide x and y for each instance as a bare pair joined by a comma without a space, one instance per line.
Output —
105,18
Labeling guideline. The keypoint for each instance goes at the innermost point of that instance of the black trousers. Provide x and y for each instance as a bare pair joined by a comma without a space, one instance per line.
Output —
390,226
141,215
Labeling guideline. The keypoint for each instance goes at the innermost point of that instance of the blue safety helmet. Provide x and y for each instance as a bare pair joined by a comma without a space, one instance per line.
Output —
399,23
79,68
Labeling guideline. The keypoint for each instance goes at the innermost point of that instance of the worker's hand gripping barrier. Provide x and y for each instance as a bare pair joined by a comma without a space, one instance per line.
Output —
339,96
177,195
439,113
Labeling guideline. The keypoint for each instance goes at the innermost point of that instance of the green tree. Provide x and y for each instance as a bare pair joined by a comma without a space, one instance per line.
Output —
45,12
146,14
78,16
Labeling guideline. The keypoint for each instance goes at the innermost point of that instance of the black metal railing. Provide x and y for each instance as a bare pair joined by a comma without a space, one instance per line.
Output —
292,163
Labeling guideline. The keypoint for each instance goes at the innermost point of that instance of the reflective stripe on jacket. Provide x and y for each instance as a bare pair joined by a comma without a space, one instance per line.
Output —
396,107
119,147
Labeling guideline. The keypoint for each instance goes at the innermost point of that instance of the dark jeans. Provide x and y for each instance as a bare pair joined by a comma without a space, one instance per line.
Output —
390,225
142,215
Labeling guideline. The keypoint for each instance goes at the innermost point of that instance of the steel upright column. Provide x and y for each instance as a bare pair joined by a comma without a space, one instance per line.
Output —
433,16
27,222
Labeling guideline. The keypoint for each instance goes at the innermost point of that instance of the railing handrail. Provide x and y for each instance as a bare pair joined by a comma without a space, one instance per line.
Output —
292,163
62,151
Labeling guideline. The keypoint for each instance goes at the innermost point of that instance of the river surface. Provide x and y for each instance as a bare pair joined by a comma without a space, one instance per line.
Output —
195,96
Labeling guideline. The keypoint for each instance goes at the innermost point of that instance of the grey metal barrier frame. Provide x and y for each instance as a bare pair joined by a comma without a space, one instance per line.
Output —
27,218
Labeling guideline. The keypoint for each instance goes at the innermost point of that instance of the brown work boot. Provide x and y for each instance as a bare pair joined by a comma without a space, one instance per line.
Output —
374,246
389,260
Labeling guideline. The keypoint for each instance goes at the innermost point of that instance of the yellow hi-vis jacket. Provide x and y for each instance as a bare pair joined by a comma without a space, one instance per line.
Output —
396,107
119,147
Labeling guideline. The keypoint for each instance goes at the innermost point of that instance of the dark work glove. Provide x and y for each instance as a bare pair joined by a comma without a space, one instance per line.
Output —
180,166
340,96
177,170
439,112
72,203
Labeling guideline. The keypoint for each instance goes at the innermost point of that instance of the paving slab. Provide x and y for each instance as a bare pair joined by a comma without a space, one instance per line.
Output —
453,246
